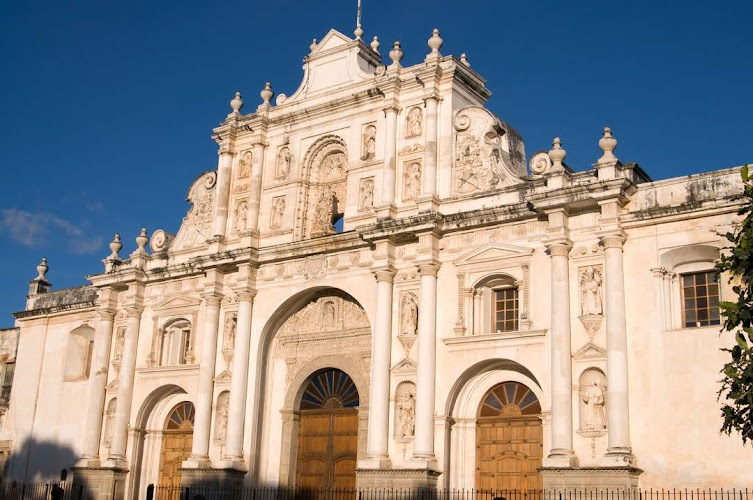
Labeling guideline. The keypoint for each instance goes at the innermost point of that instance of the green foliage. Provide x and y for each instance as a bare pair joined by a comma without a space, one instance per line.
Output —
737,381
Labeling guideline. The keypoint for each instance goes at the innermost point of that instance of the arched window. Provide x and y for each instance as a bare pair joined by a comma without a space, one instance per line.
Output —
78,355
176,343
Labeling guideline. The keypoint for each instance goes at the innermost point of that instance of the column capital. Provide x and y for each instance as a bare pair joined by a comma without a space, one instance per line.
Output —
613,239
384,274
246,295
134,312
212,299
391,109
559,247
429,268
106,315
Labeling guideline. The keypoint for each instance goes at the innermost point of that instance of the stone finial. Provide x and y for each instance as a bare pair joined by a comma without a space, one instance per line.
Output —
464,60
236,104
267,93
557,154
42,269
435,42
396,54
375,45
358,32
115,247
313,45
608,144
141,240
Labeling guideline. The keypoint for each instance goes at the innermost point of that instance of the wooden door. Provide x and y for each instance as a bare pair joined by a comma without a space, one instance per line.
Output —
509,444
176,443
328,433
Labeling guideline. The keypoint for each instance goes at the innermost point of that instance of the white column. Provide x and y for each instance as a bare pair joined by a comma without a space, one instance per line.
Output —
239,380
429,174
379,398
618,423
562,403
222,192
423,445
389,166
125,387
254,201
98,385
204,396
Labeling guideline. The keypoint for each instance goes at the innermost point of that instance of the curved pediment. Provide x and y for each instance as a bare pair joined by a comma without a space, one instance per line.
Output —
197,224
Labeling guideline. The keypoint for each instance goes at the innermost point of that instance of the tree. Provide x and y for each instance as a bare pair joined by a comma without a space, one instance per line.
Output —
737,381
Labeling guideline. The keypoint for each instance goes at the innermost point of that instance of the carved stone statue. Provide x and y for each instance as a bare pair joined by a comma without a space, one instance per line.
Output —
594,416
369,143
278,209
409,315
407,415
590,290
244,167
228,339
412,182
328,315
323,215
413,125
241,214
119,342
222,416
282,168
366,198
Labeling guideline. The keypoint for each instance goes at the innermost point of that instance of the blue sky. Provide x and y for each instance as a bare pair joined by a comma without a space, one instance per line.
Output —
106,108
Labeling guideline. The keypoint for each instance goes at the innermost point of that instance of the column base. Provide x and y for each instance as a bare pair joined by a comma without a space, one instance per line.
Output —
211,479
114,463
427,204
196,463
384,212
591,478
617,457
99,483
231,464
561,459
375,463
419,479
250,239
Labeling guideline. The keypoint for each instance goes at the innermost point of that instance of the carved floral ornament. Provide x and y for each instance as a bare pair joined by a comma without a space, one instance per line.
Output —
196,225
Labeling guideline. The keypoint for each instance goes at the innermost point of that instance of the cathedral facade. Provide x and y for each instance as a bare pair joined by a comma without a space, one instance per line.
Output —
376,287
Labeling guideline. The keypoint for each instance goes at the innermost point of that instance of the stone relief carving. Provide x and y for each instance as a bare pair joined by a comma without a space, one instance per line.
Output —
282,167
278,210
413,122
241,214
221,416
590,280
592,390
540,163
196,226
244,166
366,195
369,143
405,406
228,332
412,180
408,321
323,215
160,240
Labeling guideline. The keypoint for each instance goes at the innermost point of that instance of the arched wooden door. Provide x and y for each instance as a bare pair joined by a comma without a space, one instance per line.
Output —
509,445
328,432
176,443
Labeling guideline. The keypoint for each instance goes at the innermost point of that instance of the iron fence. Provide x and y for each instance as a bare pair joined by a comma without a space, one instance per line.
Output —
60,490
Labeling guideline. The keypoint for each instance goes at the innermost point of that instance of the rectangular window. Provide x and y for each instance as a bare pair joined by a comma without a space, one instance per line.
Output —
700,299
7,383
505,310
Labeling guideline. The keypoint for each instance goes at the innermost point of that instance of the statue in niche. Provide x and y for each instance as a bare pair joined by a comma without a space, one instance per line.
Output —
222,417
244,167
328,315
594,400
283,164
412,184
414,123
332,167
366,199
119,342
590,290
278,209
409,315
228,340
407,415
241,214
369,143
323,214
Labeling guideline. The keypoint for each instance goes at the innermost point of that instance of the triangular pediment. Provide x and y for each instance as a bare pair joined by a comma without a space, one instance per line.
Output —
590,351
223,378
405,367
177,302
332,40
492,252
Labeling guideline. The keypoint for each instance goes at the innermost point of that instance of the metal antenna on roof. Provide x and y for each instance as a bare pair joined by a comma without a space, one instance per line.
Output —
359,31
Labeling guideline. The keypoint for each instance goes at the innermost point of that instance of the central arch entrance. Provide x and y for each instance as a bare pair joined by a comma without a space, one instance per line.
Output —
328,432
176,443
509,445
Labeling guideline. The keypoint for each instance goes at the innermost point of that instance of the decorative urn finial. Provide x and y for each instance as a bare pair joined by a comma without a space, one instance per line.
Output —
267,94
396,54
313,45
557,154
236,104
435,42
42,269
358,32
141,240
464,60
115,247
375,45
608,144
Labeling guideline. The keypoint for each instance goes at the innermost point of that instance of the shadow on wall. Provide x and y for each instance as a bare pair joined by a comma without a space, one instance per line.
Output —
39,461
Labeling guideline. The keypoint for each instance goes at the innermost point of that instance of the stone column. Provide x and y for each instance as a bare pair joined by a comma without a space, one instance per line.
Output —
387,205
98,386
125,388
562,454
239,380
427,200
205,393
618,422
254,201
379,399
423,445
222,192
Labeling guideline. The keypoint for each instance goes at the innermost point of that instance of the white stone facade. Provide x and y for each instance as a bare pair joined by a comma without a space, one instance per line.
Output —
261,288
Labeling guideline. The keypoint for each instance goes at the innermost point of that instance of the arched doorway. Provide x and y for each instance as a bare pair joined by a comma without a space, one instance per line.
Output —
509,445
176,443
328,432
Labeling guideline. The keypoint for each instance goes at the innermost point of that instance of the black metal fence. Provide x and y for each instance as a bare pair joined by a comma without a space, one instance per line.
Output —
63,490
